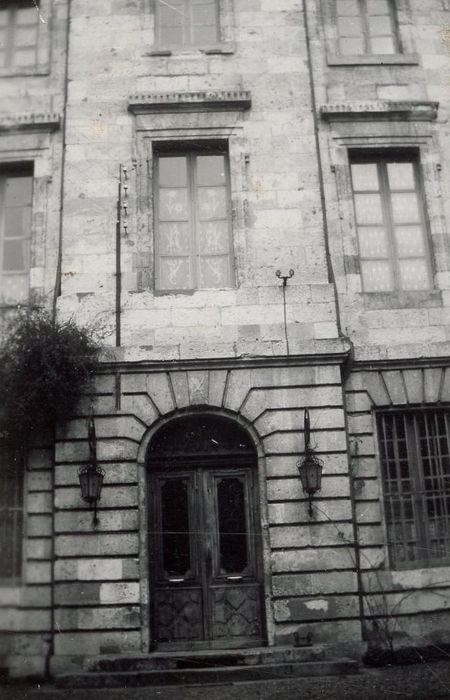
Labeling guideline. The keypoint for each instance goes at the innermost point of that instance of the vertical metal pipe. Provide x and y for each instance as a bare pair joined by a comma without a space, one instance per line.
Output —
118,261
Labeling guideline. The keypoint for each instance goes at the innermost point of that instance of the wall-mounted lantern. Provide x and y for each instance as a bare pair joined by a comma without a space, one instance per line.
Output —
91,476
310,467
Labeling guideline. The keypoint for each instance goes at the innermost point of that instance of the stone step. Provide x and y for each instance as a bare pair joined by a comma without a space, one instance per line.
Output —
200,676
206,658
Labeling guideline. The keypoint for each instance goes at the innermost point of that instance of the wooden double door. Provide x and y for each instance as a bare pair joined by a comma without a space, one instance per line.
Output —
205,557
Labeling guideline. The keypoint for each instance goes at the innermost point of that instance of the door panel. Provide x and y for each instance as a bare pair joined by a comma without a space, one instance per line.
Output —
207,582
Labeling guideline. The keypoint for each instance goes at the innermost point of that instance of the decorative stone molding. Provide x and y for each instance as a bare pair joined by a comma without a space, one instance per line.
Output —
190,101
50,121
404,110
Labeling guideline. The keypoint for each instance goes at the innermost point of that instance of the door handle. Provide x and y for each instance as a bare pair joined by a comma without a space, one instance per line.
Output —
176,580
234,578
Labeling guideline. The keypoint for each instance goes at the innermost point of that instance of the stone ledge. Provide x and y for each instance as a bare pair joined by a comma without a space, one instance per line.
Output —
48,121
399,59
406,110
190,101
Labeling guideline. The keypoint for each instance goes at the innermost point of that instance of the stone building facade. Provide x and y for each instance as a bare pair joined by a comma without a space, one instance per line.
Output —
180,155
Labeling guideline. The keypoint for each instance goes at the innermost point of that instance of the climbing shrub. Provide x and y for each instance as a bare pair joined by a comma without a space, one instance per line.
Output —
45,366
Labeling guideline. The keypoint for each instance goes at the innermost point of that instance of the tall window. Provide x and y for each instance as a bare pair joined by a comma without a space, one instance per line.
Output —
11,515
16,191
366,27
390,220
187,22
415,462
192,220
19,31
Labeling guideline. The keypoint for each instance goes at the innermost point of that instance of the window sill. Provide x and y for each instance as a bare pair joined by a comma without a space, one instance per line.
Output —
407,59
24,72
220,49
402,299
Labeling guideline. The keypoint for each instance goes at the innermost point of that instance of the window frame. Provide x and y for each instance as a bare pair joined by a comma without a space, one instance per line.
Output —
191,151
18,509
365,33
11,48
187,27
418,492
405,51
381,157
8,170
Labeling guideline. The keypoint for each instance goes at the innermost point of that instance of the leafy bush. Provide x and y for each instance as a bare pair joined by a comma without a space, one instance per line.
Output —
45,366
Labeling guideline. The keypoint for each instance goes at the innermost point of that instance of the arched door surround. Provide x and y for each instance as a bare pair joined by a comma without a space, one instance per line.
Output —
204,535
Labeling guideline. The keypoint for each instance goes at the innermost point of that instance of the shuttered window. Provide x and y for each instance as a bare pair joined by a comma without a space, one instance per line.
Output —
19,34
390,221
16,193
415,463
11,515
366,27
187,22
192,221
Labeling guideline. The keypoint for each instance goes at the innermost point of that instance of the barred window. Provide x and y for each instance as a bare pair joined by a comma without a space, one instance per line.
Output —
187,22
415,462
19,34
11,515
390,221
192,219
366,27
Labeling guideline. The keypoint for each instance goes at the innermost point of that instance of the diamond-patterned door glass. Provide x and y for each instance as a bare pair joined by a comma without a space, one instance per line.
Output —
176,550
232,525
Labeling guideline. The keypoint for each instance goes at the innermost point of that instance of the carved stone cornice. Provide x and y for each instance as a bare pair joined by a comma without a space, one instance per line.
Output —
30,121
208,100
400,110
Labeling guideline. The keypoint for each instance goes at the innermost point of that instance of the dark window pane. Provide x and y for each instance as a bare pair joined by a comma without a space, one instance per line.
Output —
175,527
232,525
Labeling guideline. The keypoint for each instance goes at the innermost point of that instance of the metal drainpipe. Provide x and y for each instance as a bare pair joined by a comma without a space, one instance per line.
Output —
56,294
331,277
332,280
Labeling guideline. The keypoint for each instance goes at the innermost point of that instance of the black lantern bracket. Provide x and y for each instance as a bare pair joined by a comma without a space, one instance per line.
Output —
310,467
91,475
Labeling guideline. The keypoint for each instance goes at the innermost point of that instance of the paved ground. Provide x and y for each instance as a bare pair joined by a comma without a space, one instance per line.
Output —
428,681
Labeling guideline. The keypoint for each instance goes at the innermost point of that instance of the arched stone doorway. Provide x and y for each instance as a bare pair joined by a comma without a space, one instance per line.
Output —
206,569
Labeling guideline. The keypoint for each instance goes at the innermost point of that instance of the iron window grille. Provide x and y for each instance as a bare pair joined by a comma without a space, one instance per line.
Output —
16,196
415,464
184,23
390,221
11,515
19,34
192,210
366,27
